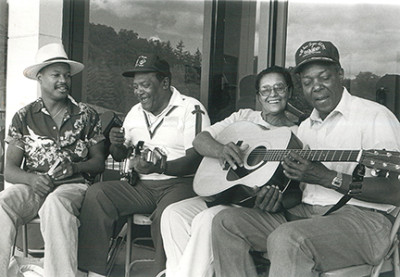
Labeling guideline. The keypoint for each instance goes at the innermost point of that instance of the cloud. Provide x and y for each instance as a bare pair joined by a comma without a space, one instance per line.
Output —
365,34
165,19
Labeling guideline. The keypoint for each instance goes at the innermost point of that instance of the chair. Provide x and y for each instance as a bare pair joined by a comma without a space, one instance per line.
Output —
390,262
25,249
138,219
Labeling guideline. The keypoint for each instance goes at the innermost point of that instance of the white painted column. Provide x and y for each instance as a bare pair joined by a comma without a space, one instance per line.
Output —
32,24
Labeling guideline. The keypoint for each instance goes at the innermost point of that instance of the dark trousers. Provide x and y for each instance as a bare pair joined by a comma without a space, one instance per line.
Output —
105,202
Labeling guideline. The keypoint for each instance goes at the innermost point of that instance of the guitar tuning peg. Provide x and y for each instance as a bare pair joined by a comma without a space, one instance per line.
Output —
388,154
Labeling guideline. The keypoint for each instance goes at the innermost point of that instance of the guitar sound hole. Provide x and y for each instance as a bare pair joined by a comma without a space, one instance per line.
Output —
256,156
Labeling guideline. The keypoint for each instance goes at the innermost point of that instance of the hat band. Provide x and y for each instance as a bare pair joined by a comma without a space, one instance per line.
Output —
56,58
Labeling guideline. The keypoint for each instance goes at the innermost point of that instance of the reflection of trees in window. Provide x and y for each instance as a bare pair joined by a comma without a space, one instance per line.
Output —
111,53
362,85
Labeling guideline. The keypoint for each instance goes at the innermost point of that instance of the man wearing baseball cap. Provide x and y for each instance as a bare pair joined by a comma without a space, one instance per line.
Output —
326,235
164,121
55,148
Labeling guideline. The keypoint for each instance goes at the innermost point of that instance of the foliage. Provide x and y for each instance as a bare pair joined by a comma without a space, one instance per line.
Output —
111,53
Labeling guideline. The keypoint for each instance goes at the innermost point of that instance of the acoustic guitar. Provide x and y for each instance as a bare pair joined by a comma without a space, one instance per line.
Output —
267,148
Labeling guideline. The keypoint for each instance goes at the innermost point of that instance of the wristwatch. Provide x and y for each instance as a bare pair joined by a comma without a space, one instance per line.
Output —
337,181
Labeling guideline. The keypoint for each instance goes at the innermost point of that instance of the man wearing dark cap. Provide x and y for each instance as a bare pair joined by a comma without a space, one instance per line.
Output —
165,122
322,238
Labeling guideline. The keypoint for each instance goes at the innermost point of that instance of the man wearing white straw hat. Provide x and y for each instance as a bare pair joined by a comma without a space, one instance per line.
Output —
55,148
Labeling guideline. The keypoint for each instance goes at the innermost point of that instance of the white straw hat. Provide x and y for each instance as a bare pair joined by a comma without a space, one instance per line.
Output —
49,54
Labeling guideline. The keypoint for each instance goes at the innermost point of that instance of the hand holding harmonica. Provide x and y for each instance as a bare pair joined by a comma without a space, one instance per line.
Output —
146,161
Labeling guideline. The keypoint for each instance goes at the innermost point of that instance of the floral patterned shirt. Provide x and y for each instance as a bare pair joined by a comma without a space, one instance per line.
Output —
34,131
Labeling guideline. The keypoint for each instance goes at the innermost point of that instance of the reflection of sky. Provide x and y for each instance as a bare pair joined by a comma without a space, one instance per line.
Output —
164,20
366,32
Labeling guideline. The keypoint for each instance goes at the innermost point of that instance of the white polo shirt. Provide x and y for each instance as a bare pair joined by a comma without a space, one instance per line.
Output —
354,124
173,130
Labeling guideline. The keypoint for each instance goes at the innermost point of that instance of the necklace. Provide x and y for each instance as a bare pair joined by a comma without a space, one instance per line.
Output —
57,113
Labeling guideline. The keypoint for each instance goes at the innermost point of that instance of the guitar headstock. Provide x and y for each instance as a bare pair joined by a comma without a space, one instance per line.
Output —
381,160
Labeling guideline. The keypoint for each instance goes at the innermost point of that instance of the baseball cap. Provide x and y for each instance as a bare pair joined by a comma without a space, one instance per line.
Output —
316,51
148,63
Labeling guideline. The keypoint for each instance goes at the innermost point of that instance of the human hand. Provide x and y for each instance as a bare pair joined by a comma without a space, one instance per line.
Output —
64,170
232,154
140,164
299,169
268,199
117,135
42,184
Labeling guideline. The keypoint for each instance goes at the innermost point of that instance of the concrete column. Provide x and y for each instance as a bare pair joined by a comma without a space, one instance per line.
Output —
32,24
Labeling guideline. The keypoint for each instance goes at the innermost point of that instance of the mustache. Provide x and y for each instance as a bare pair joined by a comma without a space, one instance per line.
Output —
62,86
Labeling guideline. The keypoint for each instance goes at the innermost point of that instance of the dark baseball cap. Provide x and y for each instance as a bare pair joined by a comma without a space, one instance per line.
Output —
149,63
319,50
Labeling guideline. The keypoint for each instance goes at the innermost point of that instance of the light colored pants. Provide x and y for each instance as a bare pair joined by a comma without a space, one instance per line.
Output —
186,233
301,248
58,224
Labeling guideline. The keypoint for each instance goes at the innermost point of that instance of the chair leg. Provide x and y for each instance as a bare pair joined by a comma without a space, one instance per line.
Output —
128,246
396,262
15,242
25,240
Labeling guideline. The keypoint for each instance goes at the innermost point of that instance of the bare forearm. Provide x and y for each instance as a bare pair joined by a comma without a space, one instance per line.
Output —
183,166
206,145
374,189
16,175
118,152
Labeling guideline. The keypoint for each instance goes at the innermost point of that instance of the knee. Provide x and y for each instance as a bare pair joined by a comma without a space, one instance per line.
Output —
225,221
203,221
171,215
54,202
283,238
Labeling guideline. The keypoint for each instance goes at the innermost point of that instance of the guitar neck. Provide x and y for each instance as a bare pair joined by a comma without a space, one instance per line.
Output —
316,155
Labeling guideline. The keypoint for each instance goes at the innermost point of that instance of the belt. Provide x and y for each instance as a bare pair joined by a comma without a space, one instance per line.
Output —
388,216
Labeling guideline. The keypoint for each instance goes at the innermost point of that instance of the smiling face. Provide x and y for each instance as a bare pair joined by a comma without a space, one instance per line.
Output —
275,102
152,93
55,81
322,86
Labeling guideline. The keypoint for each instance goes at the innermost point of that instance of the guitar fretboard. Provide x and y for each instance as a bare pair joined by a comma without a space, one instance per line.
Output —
315,155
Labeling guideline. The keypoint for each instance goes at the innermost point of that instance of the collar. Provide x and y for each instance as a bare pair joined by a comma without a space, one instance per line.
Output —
343,108
72,106
176,100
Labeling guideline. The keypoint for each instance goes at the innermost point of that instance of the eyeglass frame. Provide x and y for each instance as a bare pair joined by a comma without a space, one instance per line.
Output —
274,88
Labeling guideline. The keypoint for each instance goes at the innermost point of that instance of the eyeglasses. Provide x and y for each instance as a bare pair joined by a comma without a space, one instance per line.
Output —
281,89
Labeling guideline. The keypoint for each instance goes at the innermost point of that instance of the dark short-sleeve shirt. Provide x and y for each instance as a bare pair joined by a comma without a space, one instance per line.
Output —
34,131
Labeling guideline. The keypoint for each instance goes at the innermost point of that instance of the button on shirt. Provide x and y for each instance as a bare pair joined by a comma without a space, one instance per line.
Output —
34,131
354,124
173,130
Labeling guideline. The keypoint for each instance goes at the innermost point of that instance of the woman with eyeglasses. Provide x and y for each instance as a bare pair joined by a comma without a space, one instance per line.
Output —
186,225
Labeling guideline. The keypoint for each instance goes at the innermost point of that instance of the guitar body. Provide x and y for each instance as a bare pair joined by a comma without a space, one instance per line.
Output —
228,184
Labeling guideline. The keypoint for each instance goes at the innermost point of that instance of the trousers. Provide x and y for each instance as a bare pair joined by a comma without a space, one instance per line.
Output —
106,202
186,233
59,224
306,247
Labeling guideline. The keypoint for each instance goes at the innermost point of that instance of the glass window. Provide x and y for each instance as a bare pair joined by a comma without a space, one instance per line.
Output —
367,36
120,30
3,55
